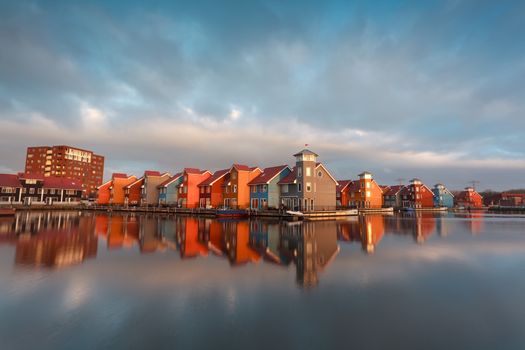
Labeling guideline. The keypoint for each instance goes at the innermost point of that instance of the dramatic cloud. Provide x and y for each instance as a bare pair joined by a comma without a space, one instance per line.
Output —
415,89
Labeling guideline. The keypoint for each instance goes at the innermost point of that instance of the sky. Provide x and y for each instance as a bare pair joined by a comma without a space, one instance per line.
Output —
404,89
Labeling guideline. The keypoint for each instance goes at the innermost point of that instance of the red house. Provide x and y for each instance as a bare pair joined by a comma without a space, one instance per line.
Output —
469,199
210,190
343,193
188,190
417,195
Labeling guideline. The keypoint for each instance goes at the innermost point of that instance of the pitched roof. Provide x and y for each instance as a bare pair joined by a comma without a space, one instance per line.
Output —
354,186
151,173
62,183
139,180
305,151
194,171
393,190
342,184
216,176
268,174
241,167
119,175
317,165
290,178
170,180
24,176
9,180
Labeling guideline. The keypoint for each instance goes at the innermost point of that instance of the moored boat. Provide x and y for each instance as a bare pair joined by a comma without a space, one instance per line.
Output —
231,213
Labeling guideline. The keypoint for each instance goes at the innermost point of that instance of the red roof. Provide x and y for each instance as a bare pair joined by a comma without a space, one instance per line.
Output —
119,175
290,178
194,171
24,176
151,173
393,190
216,176
242,167
342,185
62,183
169,180
267,175
9,180
354,186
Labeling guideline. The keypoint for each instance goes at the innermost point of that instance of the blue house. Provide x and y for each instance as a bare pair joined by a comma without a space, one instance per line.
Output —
442,196
168,190
264,189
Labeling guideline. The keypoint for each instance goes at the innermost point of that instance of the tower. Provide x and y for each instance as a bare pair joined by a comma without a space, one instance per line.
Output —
306,162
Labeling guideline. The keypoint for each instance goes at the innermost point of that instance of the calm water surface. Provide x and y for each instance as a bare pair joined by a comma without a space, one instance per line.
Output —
74,280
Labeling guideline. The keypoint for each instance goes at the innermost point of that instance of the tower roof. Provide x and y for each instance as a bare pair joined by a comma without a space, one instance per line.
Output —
305,151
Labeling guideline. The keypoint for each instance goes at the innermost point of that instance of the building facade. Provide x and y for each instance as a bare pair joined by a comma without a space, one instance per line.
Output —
417,195
264,189
169,190
469,198
210,190
67,162
442,196
189,190
392,196
310,186
150,192
236,192
112,192
365,192
342,193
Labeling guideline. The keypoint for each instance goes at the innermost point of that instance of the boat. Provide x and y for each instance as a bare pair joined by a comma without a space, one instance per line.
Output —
231,213
323,214
7,211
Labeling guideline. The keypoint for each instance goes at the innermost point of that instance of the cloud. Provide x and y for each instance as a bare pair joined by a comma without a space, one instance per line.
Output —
409,89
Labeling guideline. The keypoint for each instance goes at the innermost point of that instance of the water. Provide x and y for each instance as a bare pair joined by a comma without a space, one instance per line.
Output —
91,281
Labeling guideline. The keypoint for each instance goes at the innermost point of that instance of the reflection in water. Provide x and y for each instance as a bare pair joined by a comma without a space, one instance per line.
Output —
53,239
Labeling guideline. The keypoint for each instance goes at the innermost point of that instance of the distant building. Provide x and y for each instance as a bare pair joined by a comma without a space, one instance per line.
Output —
236,192
392,196
264,189
309,186
365,192
68,162
343,193
210,190
112,192
31,189
442,196
169,190
150,192
509,199
188,196
469,198
417,195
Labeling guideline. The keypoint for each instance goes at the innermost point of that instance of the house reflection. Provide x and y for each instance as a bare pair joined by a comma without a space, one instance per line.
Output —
314,245
51,239
237,243
372,229
187,232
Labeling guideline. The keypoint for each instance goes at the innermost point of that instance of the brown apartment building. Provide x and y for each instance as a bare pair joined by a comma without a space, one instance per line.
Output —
68,162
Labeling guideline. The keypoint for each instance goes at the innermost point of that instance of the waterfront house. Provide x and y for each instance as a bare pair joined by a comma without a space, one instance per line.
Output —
150,192
392,196
510,199
309,186
133,192
169,190
343,193
112,192
469,198
210,190
235,191
442,196
188,196
417,195
10,188
37,189
365,192
264,189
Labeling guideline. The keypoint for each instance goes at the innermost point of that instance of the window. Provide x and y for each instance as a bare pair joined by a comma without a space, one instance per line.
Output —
234,188
285,188
299,187
31,190
299,172
254,189
208,189
368,185
234,175
227,189
202,189
308,187
368,194
308,171
319,173
264,188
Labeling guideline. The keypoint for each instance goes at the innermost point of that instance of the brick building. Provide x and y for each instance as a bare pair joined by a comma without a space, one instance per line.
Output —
67,162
